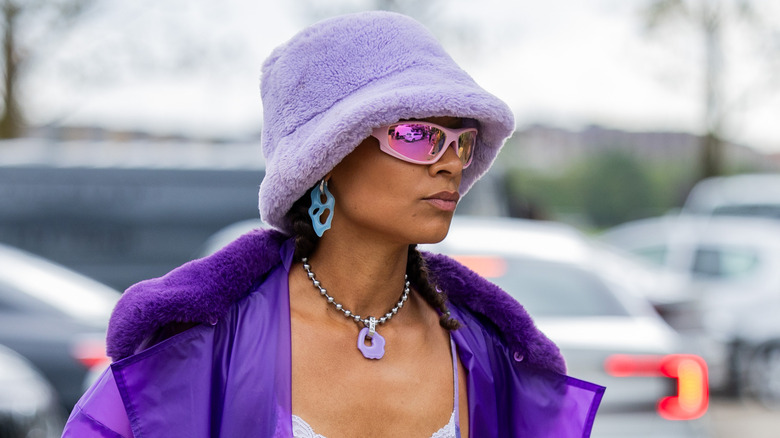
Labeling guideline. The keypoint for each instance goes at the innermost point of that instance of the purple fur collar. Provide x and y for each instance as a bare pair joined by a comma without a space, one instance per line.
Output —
202,290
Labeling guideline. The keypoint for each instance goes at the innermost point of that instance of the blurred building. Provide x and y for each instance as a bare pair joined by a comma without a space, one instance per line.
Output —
123,210
552,149
122,206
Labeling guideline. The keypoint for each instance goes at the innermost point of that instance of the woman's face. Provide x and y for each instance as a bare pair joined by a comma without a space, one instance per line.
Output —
382,197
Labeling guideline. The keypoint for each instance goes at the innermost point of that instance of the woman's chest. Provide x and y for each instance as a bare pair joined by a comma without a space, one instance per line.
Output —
338,392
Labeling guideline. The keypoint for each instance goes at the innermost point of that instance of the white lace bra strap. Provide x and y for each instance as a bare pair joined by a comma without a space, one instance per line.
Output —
456,409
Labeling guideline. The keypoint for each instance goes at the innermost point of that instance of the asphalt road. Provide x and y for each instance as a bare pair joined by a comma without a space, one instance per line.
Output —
730,418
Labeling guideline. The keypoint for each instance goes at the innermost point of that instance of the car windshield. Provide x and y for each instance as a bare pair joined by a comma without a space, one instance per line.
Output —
549,289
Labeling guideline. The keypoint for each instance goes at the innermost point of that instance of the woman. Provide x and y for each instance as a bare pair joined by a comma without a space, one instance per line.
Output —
333,324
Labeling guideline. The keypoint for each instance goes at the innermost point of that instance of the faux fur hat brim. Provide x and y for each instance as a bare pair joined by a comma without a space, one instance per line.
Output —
316,114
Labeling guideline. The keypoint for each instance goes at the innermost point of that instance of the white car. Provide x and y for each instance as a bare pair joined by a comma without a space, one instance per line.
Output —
590,301
732,267
752,195
55,318
28,403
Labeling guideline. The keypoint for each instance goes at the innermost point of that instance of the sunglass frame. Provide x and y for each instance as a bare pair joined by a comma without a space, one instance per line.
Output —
382,134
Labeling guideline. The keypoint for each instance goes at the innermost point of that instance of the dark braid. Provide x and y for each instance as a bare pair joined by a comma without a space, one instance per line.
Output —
417,271
306,241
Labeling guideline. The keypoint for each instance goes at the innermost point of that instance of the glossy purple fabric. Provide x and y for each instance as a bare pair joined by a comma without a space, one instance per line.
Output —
232,378
510,398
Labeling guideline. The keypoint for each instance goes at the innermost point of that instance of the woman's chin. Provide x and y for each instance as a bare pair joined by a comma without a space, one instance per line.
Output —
435,235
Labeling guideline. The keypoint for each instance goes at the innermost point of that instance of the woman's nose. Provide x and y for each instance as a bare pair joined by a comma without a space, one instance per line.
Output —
449,162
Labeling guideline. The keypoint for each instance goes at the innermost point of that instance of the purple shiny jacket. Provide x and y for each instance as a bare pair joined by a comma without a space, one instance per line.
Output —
229,375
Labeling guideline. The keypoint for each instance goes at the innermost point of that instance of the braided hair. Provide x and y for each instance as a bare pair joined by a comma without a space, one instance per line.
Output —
306,241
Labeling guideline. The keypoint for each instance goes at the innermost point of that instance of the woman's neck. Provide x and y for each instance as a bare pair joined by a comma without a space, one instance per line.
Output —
367,278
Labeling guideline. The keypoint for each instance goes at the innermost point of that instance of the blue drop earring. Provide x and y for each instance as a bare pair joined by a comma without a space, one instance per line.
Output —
318,208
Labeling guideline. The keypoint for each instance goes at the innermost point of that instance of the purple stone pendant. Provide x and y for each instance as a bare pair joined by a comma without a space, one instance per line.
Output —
377,348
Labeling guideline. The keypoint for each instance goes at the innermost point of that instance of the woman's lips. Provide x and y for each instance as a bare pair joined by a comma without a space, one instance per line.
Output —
446,201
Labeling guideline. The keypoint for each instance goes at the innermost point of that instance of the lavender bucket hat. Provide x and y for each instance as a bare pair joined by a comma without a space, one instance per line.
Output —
326,89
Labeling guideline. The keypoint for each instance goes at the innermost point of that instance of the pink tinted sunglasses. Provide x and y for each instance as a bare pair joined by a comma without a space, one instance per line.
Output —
424,142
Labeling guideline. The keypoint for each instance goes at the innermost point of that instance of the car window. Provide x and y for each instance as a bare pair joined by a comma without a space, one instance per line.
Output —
653,254
760,210
724,262
547,288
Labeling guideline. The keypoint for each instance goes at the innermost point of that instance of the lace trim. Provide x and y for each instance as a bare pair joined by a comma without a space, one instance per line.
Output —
448,431
301,429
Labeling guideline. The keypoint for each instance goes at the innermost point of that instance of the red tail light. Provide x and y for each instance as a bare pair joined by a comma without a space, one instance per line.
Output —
486,266
90,352
690,371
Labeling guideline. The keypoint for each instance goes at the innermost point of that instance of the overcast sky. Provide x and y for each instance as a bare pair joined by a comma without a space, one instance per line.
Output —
192,66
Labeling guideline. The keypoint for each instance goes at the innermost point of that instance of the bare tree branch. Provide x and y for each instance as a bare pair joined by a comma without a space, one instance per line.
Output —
51,18
710,19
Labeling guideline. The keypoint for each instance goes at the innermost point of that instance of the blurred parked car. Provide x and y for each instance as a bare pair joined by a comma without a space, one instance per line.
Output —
53,317
28,405
583,297
732,267
753,195
228,234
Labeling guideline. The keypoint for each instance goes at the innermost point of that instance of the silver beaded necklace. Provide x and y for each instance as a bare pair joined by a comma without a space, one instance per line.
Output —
377,348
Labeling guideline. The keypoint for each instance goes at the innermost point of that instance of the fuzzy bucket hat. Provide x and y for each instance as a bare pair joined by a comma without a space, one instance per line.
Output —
332,83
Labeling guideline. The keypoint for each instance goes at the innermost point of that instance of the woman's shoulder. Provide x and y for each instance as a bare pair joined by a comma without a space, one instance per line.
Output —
197,292
492,306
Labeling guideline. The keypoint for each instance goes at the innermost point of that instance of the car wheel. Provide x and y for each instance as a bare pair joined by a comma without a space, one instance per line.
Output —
764,376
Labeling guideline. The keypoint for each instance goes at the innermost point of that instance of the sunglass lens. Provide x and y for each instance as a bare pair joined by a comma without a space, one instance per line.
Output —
466,142
418,142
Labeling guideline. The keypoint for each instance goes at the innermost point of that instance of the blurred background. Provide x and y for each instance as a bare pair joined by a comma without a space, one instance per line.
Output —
647,145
